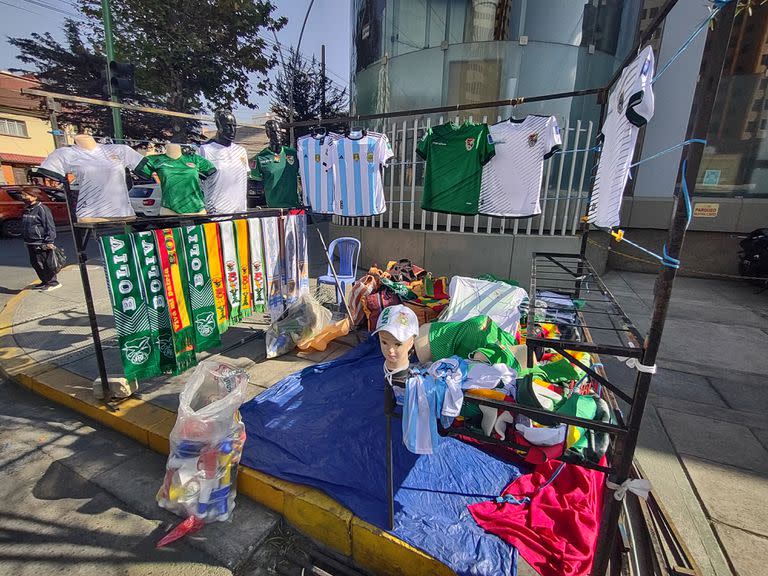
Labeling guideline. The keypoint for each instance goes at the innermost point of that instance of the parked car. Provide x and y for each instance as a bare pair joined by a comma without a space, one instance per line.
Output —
145,199
12,208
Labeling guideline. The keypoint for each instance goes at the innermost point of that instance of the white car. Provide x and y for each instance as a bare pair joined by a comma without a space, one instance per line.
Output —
145,199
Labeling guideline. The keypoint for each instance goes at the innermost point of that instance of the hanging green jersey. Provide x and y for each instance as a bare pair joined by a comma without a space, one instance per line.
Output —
455,156
179,179
279,172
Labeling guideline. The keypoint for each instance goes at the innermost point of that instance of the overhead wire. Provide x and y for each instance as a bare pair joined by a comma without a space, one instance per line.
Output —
55,9
21,8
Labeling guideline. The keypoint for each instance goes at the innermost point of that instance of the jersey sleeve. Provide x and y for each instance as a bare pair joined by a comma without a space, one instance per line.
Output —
204,166
56,165
385,152
145,167
486,149
641,101
255,172
423,147
130,157
552,140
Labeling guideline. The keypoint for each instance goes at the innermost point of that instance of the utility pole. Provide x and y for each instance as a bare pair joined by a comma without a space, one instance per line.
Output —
294,64
54,107
322,80
106,15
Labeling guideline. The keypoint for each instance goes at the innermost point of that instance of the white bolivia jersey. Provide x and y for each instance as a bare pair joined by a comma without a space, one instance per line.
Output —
356,164
511,183
100,175
315,171
630,105
227,190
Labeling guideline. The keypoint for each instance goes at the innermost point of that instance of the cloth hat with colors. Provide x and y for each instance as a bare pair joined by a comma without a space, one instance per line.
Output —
398,320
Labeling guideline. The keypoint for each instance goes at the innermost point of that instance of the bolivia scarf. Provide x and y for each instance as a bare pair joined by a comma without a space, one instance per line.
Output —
172,264
303,256
157,305
136,340
231,270
290,267
257,264
216,269
200,289
244,262
271,235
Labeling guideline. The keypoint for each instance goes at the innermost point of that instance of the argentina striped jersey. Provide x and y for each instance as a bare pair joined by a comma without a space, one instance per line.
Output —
315,173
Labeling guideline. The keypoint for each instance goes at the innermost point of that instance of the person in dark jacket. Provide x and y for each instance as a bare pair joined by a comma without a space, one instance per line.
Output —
39,231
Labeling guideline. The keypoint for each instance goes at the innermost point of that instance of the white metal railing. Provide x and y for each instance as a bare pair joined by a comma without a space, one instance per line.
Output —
564,190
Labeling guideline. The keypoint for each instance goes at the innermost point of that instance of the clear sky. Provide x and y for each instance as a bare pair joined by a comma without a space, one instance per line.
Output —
329,23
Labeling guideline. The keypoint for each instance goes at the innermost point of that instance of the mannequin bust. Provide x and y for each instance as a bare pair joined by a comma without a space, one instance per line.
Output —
226,127
274,131
85,141
173,151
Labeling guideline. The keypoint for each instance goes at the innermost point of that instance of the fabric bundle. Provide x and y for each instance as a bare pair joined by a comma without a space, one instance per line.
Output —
257,265
216,270
172,262
136,340
157,306
200,288
231,270
244,268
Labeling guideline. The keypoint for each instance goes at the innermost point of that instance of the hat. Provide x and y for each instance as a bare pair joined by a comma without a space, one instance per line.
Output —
400,321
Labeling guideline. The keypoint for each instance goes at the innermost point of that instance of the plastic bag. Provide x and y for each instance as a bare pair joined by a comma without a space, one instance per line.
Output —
206,444
300,322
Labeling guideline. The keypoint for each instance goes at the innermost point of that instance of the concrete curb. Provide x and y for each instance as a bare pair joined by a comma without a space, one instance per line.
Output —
307,509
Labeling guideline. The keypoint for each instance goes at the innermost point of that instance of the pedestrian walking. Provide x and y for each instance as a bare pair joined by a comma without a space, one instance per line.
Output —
39,231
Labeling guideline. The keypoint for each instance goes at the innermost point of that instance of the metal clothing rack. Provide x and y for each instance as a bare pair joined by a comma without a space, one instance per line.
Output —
83,231
603,326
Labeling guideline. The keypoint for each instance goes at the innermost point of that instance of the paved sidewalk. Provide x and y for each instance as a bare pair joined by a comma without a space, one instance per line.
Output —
704,437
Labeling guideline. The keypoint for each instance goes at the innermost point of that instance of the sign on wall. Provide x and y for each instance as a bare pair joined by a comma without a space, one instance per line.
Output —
705,210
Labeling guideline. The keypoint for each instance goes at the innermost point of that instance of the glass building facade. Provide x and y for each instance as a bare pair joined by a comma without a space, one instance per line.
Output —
424,53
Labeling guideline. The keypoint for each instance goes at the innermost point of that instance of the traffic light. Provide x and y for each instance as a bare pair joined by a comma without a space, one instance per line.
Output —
121,78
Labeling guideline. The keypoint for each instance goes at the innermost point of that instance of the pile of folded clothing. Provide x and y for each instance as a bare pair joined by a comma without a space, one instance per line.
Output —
401,282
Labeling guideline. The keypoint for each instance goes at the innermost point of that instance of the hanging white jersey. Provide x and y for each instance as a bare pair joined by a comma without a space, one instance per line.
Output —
630,105
226,191
511,183
100,175
314,170
356,161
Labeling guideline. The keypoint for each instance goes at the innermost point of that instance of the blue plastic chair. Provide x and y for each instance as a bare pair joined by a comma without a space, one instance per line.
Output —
346,271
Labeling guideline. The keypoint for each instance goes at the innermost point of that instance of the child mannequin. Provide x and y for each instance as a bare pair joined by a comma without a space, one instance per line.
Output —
397,328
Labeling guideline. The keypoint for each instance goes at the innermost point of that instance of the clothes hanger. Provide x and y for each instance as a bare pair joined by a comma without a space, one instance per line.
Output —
512,118
348,130
318,131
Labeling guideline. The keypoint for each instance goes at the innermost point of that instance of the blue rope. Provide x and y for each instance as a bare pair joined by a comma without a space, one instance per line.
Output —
715,9
675,147
509,499
576,150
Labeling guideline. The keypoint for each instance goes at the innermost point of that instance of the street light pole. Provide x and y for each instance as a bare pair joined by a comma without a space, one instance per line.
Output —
106,15
293,71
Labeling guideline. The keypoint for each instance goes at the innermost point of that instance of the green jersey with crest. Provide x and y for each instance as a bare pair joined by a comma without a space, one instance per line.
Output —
455,156
279,171
179,179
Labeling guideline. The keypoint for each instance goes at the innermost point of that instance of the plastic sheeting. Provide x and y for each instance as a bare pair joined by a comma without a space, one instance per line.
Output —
325,427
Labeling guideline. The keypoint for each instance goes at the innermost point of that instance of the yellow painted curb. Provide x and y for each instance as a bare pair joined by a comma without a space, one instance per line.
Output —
306,508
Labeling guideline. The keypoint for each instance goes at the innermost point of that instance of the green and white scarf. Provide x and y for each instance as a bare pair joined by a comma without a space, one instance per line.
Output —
274,272
136,340
231,270
157,305
257,265
200,289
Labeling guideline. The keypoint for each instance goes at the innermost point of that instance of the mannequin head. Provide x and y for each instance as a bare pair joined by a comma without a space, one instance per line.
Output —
397,328
226,127
274,131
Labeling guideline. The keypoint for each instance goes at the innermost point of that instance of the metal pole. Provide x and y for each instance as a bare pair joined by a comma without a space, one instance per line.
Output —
106,15
293,72
703,104
54,107
322,81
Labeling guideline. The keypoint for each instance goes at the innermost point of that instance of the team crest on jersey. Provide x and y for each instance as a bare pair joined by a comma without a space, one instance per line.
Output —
190,164
356,157
469,143
533,138
276,158
317,157
114,157
244,160
370,157
290,160
137,351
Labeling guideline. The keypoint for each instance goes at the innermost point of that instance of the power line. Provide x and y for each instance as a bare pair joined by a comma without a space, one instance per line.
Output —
304,59
55,9
20,8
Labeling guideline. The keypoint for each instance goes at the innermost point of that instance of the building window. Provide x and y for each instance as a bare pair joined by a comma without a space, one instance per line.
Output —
10,127
763,123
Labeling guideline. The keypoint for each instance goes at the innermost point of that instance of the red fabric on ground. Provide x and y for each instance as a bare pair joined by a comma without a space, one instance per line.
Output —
556,532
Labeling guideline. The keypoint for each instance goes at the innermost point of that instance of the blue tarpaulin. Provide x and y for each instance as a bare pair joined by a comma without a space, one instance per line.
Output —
325,427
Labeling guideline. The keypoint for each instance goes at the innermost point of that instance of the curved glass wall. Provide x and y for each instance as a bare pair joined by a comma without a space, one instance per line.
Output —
421,53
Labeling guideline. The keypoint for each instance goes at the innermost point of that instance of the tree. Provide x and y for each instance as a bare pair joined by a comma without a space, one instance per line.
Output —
308,88
189,55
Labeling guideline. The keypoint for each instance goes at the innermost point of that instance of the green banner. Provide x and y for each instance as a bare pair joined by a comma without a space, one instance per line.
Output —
157,305
136,339
200,289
